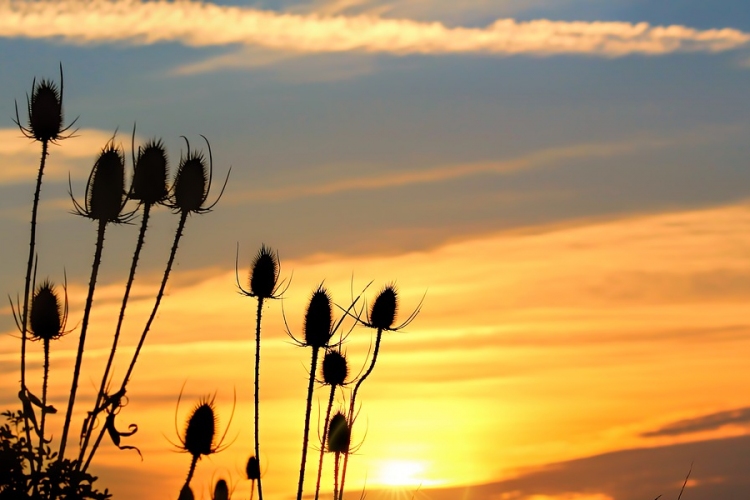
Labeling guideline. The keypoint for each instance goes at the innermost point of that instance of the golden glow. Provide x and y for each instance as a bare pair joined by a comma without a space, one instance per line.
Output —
401,473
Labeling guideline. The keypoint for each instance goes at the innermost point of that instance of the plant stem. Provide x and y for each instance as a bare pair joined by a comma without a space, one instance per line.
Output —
193,462
159,295
128,285
313,365
325,437
257,389
44,401
337,461
26,292
354,397
82,339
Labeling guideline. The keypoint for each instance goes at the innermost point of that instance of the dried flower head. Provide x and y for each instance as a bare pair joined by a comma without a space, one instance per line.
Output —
383,312
319,319
252,469
335,368
339,434
186,493
265,273
47,318
200,436
193,182
105,189
45,112
150,173
221,490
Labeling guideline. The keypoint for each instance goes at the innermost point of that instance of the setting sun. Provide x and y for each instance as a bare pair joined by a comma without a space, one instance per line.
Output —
401,473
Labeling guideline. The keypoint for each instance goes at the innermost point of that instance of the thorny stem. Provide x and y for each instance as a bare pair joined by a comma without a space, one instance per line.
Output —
25,314
159,295
82,339
257,389
313,365
325,438
193,462
129,284
337,462
44,401
354,397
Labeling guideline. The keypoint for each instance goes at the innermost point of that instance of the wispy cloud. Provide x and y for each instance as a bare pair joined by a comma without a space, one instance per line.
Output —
713,421
207,24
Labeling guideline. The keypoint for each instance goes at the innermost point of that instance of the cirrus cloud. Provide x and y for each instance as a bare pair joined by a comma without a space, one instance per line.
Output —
202,24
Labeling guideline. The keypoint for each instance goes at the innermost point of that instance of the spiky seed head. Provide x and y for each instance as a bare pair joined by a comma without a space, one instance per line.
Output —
191,183
265,273
186,493
383,312
339,434
318,319
200,430
46,320
106,189
221,490
45,111
150,174
335,368
252,469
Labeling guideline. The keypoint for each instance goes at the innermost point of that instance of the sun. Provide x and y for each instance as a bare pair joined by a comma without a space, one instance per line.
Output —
401,473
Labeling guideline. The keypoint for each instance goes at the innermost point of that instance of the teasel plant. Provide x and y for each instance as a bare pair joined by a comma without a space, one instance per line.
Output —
381,317
338,442
252,473
104,203
45,124
189,195
148,188
48,319
318,330
200,436
264,284
335,372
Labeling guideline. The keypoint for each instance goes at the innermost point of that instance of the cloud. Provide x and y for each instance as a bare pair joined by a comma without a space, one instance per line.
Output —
710,422
20,156
201,24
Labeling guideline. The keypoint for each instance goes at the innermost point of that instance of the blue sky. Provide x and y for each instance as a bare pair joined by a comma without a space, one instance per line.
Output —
368,128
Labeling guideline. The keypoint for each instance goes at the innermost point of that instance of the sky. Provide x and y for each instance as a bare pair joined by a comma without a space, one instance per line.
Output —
562,185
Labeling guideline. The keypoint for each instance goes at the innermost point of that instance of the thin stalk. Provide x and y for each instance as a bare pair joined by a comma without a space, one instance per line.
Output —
337,461
314,364
128,285
252,490
257,389
193,462
26,292
82,339
325,438
159,295
354,397
44,401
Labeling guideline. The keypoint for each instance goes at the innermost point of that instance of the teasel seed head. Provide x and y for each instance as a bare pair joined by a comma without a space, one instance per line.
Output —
383,312
252,469
200,432
318,319
339,434
186,493
150,174
335,368
190,186
265,273
45,111
221,490
105,189
46,320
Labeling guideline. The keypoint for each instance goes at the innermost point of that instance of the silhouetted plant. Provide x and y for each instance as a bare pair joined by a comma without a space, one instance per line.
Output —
252,472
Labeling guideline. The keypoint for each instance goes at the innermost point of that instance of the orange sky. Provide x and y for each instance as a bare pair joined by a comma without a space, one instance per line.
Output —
532,347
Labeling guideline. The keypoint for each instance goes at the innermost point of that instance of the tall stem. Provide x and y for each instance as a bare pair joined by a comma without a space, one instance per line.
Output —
337,461
354,398
159,295
257,389
193,462
325,438
44,401
313,365
82,339
128,285
27,285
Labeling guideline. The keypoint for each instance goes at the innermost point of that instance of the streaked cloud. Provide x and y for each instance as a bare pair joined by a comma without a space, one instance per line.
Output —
713,421
19,156
203,24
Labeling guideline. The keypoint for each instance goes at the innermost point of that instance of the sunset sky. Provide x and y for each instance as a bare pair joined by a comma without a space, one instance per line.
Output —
564,182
